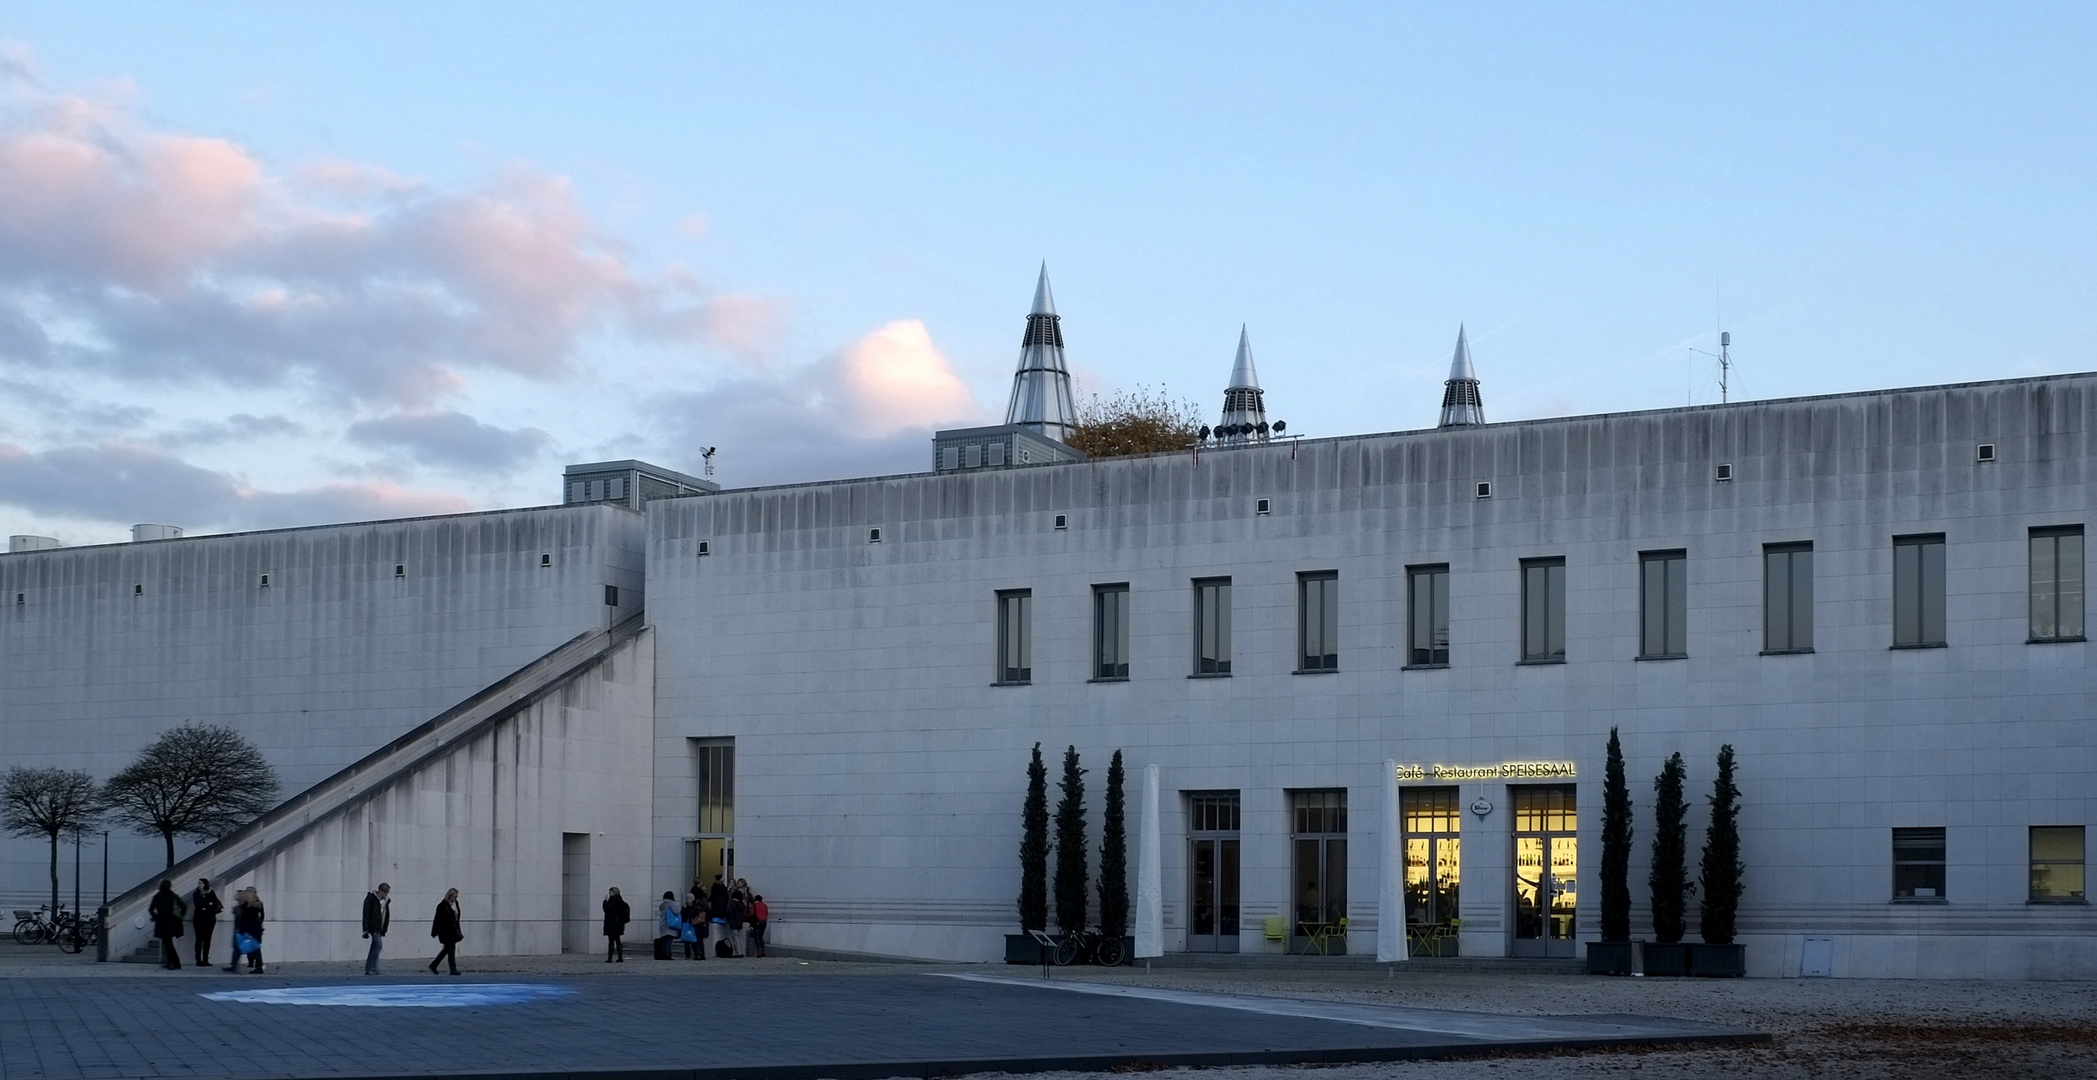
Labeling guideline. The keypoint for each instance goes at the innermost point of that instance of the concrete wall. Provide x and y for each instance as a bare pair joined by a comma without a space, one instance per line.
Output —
487,818
880,773
102,648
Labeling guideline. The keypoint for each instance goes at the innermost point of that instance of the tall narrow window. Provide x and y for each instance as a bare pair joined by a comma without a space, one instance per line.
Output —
1918,591
1318,621
1918,864
1787,598
1212,626
1543,611
1318,843
1428,587
712,850
2057,864
1016,636
2056,584
1663,604
1110,631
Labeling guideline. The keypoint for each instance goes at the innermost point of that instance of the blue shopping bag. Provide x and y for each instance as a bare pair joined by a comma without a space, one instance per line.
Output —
246,944
690,936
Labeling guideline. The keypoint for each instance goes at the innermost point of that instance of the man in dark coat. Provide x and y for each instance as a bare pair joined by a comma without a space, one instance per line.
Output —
204,907
447,928
616,915
166,911
378,917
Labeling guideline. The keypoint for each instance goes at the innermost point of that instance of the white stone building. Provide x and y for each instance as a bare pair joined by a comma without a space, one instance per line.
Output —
1875,598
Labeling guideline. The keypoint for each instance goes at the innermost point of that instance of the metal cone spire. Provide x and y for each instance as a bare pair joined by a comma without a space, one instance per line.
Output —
1244,403
1461,405
1041,397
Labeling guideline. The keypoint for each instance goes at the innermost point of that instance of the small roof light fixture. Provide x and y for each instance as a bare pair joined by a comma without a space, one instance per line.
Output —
1984,452
1262,506
546,558
873,536
265,581
1063,521
1485,489
1724,472
706,547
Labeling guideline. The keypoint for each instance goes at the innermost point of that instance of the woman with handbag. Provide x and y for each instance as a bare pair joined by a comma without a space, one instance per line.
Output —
667,925
446,928
693,916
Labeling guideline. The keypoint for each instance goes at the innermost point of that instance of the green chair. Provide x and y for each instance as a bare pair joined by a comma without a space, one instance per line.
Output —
1275,928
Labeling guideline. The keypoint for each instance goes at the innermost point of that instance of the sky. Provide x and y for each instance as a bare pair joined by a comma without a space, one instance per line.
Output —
266,265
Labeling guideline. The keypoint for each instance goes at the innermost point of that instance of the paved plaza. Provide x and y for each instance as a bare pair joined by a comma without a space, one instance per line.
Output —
788,1019
773,1020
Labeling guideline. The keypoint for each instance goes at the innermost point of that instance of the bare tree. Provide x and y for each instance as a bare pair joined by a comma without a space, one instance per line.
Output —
47,802
201,781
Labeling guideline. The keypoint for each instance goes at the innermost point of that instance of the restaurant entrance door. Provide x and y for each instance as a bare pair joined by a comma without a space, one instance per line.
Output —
1547,870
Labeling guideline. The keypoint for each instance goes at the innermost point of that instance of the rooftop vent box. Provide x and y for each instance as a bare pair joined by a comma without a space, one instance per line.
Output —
1724,473
155,532
1984,452
32,543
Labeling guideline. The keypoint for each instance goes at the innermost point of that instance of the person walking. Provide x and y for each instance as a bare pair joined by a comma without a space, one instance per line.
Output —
204,908
378,918
446,928
167,911
666,924
247,922
616,915
760,918
693,914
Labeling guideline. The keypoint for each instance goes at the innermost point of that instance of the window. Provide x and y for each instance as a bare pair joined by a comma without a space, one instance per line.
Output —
1063,521
1787,598
873,536
1724,474
1428,633
1262,506
1212,626
546,558
1016,636
1432,868
1318,850
712,851
1110,631
1543,611
2056,584
2056,864
1663,604
1318,622
400,569
1918,591
1918,864
706,547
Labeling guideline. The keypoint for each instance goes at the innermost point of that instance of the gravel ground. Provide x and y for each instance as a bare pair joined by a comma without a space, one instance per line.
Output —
1822,1028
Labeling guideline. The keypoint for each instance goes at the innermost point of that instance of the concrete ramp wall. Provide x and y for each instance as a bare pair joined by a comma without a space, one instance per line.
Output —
485,799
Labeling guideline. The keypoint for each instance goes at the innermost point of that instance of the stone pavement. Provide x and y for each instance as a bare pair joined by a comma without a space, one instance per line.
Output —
851,1023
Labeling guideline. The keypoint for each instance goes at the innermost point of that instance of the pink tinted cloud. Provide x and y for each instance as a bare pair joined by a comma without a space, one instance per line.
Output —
159,256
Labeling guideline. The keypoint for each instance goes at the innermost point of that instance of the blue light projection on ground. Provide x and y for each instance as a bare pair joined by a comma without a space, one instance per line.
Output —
403,996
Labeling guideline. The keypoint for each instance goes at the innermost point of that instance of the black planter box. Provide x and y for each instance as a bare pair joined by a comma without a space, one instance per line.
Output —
1609,957
1718,961
1021,949
1667,958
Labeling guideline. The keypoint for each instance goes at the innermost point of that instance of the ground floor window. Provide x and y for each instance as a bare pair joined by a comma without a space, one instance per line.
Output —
1432,869
1212,871
1918,864
2057,864
1547,869
1318,869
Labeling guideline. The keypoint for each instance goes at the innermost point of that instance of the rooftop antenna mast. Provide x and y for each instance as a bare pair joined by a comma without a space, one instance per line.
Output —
708,456
1724,356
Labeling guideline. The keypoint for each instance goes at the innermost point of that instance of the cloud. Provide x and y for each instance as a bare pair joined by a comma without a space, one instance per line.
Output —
866,409
452,439
156,257
125,483
238,428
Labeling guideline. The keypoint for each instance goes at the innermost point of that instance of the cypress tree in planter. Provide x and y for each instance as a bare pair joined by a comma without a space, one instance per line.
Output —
1721,879
1114,858
1612,954
1071,900
1033,865
1669,876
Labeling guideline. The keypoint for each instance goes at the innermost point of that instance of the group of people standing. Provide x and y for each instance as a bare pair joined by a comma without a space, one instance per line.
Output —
169,910
448,926
728,914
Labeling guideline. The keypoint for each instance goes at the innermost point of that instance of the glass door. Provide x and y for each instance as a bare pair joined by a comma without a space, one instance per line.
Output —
1318,842
1432,870
1212,871
1547,870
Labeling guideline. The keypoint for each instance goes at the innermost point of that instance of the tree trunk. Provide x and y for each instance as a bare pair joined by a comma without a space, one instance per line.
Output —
169,836
54,875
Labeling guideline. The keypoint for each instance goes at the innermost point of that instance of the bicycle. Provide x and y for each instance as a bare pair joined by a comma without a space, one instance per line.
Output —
37,927
76,934
1092,945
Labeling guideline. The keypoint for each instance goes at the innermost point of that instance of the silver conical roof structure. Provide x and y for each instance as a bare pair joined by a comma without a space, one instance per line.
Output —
1461,405
1041,387
1244,403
